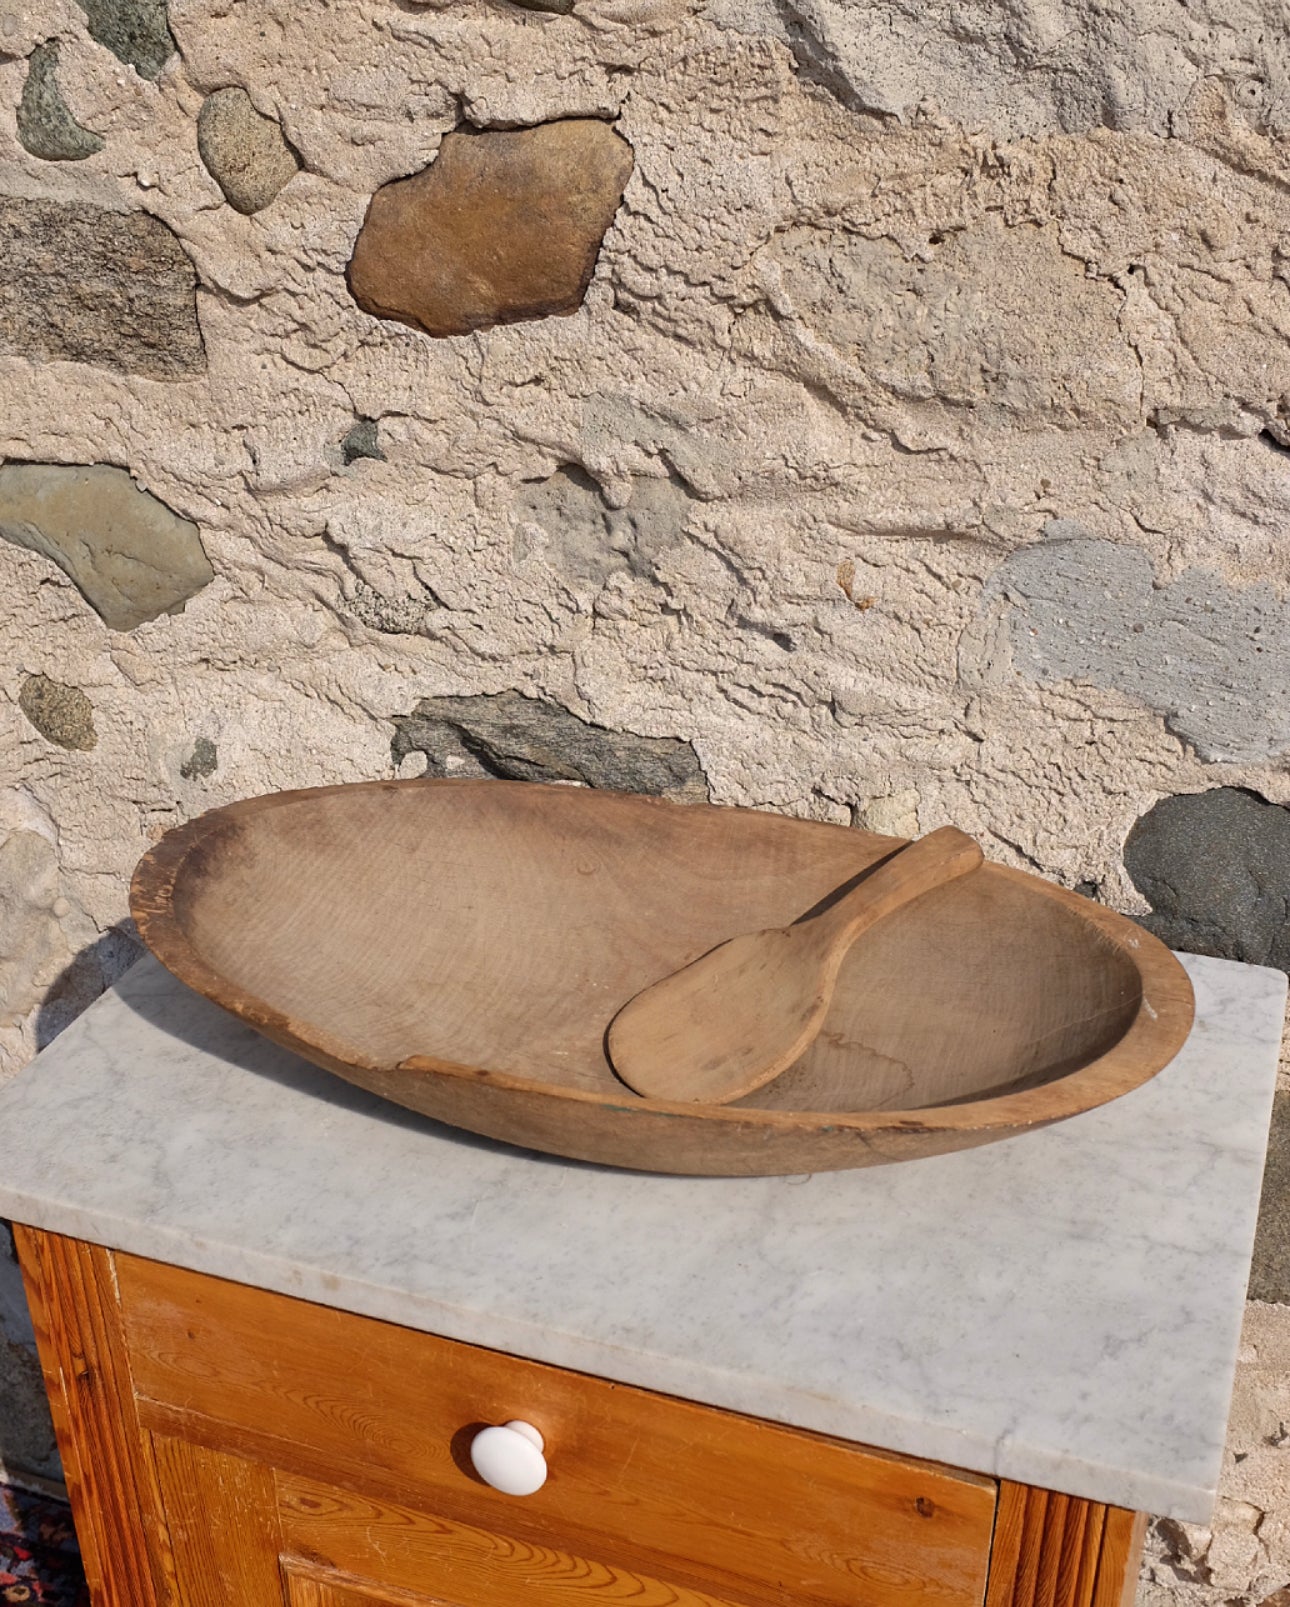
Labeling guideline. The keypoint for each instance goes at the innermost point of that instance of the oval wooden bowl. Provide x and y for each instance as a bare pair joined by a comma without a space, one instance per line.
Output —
460,947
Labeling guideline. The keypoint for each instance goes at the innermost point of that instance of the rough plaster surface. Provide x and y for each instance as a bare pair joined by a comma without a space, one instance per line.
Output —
1032,66
931,351
568,518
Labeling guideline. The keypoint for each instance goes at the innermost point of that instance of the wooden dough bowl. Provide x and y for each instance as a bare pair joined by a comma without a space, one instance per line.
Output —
460,947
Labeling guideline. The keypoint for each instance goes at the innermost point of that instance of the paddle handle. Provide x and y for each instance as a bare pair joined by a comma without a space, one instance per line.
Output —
942,856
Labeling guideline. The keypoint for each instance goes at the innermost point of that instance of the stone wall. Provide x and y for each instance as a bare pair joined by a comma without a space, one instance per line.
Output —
862,410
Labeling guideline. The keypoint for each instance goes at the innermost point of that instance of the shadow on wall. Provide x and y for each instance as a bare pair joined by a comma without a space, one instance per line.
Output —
90,973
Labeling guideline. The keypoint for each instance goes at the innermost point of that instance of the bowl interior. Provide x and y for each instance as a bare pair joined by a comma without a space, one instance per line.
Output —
501,925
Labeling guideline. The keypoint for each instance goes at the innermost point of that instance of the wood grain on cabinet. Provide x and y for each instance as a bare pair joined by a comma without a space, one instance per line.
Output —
222,1521
657,1486
71,1290
231,1448
369,1538
1121,1558
307,1587
1053,1550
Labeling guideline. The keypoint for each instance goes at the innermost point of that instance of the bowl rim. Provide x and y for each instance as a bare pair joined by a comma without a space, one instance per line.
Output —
1158,1030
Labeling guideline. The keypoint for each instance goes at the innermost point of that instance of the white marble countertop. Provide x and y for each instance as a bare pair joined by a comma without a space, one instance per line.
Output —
1061,1308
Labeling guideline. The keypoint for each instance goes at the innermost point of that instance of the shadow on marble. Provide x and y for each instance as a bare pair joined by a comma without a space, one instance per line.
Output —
172,1007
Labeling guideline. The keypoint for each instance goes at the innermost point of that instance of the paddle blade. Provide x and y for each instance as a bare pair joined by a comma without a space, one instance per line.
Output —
728,1022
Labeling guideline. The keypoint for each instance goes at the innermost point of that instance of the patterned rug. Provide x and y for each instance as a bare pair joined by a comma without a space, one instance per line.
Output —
39,1560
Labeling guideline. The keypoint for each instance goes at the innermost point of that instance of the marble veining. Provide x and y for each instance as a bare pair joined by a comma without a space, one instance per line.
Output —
1061,1308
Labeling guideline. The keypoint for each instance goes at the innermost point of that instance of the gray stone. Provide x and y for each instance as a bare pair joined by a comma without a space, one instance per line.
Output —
202,761
518,738
588,541
46,126
361,442
135,31
406,614
130,556
245,152
1212,659
62,714
84,285
1270,1274
1215,868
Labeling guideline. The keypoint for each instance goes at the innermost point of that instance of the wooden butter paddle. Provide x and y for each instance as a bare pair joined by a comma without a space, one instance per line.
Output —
742,1013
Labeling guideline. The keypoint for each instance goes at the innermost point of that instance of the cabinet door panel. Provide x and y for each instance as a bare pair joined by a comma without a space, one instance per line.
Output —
666,1488
243,1534
221,1513
319,1589
441,1560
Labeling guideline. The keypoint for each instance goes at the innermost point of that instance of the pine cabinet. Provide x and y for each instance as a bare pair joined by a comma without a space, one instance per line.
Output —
230,1447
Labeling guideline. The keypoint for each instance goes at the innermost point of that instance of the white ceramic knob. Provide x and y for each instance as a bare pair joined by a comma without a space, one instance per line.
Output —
510,1458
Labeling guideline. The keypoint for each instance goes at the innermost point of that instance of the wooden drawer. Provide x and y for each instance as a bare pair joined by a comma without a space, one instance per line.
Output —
365,1426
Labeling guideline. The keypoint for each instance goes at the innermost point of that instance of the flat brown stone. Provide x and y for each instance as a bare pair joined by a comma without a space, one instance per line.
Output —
502,226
